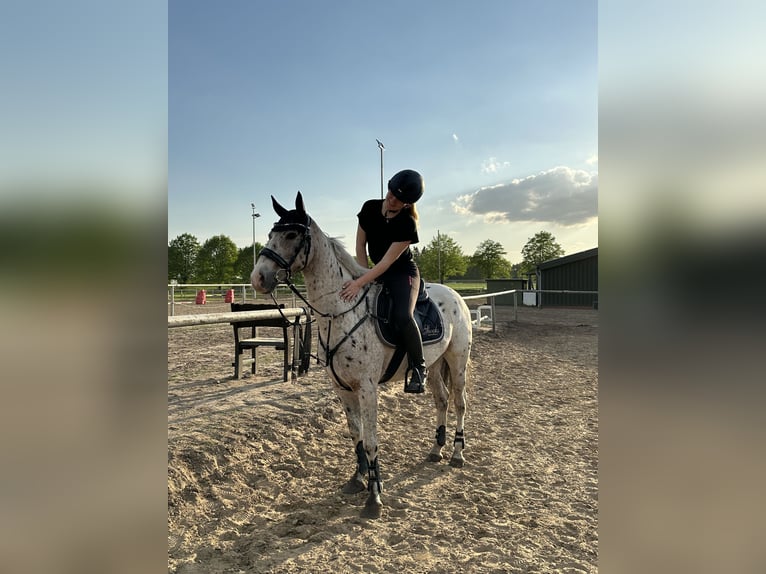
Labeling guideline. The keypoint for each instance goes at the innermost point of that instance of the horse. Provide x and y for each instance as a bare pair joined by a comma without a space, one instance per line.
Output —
354,355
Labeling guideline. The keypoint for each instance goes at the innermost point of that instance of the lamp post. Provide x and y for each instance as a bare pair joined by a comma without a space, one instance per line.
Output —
382,147
255,216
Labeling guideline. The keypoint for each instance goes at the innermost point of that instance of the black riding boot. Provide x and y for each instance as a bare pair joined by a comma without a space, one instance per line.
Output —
415,375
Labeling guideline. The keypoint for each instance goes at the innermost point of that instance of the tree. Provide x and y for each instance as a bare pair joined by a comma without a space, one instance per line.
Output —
441,258
541,247
472,272
517,270
215,261
243,266
182,258
488,258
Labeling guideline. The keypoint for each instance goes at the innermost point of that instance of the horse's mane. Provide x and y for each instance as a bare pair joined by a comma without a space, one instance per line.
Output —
346,259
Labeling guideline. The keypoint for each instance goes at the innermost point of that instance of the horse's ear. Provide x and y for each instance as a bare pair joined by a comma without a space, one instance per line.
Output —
299,203
281,211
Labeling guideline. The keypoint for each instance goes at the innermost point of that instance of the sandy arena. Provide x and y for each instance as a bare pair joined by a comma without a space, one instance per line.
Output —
255,466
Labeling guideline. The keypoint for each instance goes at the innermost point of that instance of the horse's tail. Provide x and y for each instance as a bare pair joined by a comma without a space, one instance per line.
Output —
445,375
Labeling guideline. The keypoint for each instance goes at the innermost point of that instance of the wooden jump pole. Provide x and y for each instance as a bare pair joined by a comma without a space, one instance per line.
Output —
213,318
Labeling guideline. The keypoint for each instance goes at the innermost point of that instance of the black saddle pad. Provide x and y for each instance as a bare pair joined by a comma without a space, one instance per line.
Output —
427,316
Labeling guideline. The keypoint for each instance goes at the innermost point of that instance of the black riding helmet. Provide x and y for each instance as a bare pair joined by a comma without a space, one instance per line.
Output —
407,186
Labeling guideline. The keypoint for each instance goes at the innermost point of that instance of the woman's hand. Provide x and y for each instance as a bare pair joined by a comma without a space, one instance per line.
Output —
350,290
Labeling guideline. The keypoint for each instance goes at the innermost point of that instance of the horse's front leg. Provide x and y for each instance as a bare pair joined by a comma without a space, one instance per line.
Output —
350,402
368,404
441,400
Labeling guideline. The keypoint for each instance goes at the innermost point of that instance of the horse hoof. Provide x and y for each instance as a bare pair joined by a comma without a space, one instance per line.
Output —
434,457
371,510
456,462
353,486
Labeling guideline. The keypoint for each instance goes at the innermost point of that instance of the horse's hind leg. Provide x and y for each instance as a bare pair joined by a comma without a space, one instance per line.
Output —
351,407
459,375
441,400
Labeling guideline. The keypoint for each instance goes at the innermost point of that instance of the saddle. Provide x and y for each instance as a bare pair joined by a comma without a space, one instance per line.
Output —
427,316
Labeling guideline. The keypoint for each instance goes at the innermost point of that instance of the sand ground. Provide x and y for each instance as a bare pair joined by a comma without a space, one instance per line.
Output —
255,466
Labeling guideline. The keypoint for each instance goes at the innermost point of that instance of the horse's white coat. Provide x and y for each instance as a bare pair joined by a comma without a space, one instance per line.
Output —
361,359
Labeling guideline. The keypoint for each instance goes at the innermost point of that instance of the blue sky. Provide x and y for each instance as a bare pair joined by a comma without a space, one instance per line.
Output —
85,99
494,102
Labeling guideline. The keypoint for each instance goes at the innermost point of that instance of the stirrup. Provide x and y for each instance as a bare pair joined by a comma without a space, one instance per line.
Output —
416,383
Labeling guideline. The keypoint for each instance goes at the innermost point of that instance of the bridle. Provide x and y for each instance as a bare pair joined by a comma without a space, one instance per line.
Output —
285,266
305,245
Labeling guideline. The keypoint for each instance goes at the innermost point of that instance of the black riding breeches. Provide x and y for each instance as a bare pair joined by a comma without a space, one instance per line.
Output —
404,294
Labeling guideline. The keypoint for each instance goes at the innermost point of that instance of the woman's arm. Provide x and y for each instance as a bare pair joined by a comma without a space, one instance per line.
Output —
361,246
350,289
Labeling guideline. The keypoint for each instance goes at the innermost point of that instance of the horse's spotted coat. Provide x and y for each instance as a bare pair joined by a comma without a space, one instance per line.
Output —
326,266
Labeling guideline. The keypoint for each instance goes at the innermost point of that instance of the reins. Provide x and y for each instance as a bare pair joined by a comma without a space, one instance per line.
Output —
285,266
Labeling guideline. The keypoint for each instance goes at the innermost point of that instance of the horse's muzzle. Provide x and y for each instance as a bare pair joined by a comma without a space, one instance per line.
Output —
263,281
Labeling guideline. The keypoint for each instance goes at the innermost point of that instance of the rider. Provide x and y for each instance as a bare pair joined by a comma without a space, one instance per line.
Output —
388,227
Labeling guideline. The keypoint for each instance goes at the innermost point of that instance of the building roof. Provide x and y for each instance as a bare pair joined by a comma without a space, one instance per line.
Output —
569,259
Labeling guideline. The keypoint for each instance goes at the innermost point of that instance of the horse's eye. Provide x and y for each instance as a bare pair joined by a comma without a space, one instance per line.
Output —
292,235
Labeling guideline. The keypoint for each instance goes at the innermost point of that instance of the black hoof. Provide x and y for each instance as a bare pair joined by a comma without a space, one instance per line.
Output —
434,457
371,510
456,462
372,506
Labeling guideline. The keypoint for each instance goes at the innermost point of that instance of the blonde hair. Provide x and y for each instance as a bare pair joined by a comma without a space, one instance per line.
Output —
414,213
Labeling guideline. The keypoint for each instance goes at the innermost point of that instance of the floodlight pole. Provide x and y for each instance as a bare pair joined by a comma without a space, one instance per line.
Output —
382,147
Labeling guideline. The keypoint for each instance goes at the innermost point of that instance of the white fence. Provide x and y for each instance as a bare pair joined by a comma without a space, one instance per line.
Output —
536,292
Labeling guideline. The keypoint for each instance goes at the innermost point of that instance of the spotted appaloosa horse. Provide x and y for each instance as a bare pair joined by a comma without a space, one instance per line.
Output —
350,347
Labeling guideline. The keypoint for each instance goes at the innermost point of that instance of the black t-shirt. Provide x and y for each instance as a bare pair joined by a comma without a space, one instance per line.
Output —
381,233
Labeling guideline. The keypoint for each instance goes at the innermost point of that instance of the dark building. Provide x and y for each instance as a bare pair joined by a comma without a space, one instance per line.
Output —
576,272
499,285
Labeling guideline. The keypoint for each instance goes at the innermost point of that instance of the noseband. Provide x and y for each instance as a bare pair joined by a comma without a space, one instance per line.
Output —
304,245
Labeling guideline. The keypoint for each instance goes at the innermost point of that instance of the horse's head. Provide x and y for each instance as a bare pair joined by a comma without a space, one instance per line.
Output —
287,249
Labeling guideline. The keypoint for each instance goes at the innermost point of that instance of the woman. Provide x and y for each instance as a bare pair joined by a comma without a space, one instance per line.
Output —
388,227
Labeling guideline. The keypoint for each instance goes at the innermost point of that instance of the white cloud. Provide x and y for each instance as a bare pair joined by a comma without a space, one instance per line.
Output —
491,165
560,195
454,137
592,160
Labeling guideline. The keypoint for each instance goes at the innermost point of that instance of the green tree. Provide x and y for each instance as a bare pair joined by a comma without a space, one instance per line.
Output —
489,259
215,261
472,272
182,258
441,258
243,266
541,247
